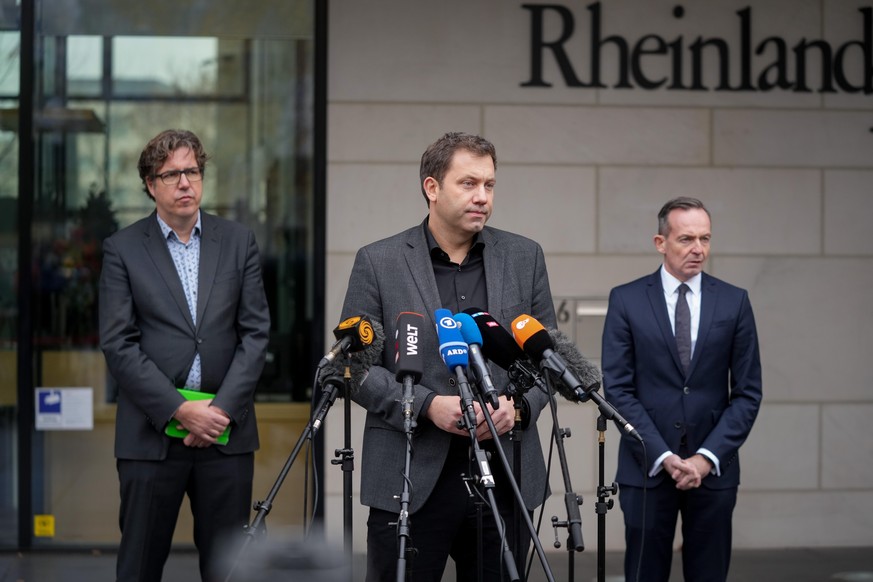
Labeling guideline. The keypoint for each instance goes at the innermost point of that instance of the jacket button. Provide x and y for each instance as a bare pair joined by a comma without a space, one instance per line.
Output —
677,425
199,340
686,390
451,381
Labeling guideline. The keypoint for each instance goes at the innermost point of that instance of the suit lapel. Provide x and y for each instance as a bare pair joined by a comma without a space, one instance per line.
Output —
495,273
708,300
655,291
210,249
156,248
420,267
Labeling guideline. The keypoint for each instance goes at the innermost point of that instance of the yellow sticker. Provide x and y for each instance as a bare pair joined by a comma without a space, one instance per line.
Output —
44,526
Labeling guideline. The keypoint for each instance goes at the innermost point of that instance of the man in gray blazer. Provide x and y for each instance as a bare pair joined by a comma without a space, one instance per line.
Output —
182,305
453,261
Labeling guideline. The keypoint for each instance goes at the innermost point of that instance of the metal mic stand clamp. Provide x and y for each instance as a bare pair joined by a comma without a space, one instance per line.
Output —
346,459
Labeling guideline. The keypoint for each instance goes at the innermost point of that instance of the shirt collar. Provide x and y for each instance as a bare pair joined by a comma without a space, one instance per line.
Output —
434,247
671,283
166,230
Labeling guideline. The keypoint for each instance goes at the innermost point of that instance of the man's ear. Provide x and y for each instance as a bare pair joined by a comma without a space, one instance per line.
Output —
660,243
431,188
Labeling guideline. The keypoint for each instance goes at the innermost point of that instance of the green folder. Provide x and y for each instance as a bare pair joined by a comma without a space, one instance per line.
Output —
173,428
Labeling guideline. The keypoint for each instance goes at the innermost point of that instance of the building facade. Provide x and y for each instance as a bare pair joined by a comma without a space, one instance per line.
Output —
600,112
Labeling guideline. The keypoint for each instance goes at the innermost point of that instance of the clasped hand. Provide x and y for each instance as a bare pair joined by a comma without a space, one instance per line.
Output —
203,422
445,413
687,473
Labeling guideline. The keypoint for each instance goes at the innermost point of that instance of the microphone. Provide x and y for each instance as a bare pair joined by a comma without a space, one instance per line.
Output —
499,347
362,361
532,337
579,381
353,335
453,348
407,359
471,334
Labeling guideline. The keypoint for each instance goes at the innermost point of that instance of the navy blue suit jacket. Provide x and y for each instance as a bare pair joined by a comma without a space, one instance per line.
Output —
714,406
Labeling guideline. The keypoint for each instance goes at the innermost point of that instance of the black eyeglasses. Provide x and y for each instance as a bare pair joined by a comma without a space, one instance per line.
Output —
172,177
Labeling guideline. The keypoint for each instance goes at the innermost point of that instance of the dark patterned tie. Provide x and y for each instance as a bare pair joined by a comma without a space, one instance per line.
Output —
683,328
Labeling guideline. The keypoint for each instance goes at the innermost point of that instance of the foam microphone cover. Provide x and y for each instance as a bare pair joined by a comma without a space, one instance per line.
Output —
361,361
453,348
497,343
587,373
408,358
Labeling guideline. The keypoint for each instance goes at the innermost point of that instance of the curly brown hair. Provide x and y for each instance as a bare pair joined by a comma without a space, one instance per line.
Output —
161,147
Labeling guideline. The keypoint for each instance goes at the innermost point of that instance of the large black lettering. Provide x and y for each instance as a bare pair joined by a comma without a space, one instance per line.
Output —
800,52
696,49
597,44
779,67
636,58
866,47
539,45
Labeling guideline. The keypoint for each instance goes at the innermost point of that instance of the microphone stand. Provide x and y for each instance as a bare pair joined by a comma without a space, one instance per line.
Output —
602,505
328,396
469,415
347,460
403,526
572,501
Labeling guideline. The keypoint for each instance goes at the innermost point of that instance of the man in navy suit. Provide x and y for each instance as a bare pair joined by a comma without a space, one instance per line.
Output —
182,304
689,380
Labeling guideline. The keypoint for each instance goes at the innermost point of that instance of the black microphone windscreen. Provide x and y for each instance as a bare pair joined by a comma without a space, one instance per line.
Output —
361,361
497,343
585,371
408,360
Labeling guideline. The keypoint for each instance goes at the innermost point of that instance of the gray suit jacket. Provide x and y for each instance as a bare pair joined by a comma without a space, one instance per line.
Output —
395,275
149,338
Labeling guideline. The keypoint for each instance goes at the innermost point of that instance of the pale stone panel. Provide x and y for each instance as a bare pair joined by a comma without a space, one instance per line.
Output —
599,135
554,206
786,436
815,342
453,51
368,202
782,519
754,212
845,440
338,269
848,212
792,138
395,132
592,277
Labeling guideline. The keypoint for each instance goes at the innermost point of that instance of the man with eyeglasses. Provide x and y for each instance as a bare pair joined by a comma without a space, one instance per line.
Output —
182,306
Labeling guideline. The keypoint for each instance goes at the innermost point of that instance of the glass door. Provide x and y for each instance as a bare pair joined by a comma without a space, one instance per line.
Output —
108,76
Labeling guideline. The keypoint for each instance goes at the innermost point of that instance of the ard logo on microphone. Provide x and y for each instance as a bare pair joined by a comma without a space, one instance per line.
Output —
456,352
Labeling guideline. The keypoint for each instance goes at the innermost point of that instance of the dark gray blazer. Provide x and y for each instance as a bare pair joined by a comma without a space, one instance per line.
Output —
149,338
395,275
